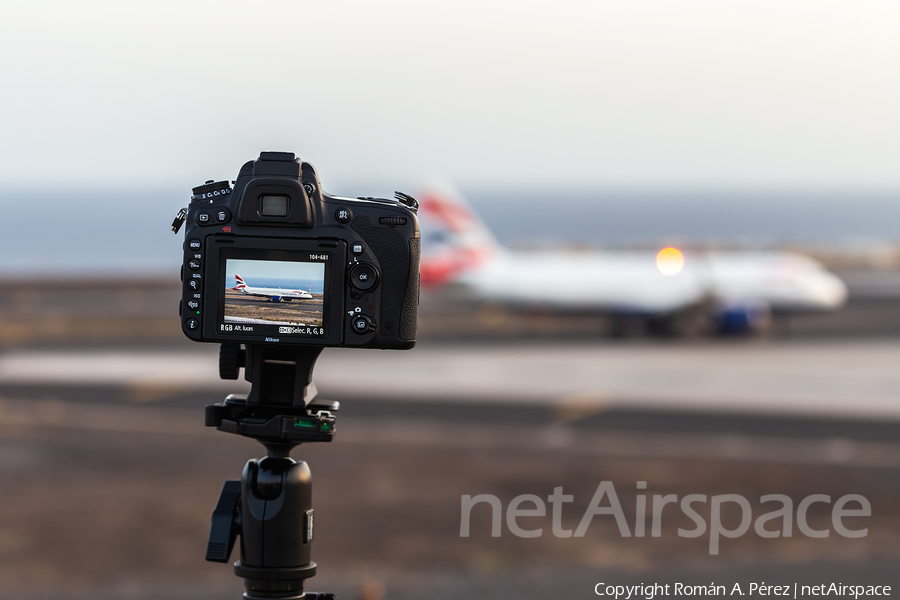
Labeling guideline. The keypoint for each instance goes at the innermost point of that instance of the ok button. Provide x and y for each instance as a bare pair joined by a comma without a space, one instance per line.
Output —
364,277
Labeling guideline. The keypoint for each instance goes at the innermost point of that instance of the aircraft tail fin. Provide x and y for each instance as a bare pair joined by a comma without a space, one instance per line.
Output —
454,238
240,282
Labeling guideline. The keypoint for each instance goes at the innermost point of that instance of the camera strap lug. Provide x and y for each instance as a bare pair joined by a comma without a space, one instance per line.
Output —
179,220
407,200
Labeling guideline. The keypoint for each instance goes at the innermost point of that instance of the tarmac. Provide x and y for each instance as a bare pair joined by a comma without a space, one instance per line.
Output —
108,476
849,379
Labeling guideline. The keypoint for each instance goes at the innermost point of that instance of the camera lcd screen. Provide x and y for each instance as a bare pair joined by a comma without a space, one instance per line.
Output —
273,297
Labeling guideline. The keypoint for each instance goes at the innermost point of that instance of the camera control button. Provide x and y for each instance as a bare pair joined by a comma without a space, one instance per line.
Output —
194,284
193,304
357,248
203,218
363,324
192,324
223,216
364,277
343,215
194,264
194,244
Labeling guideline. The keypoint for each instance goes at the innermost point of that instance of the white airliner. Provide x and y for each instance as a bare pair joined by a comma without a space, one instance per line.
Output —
272,294
734,291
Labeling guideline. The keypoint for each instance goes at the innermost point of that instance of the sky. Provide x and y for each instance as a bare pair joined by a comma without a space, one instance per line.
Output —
638,94
260,273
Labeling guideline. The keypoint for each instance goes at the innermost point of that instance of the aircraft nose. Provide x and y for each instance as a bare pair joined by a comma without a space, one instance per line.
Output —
830,290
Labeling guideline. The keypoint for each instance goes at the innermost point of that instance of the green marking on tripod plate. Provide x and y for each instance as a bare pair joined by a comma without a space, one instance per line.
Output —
304,423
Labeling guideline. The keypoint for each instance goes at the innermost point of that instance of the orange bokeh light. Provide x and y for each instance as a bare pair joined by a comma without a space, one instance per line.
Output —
670,261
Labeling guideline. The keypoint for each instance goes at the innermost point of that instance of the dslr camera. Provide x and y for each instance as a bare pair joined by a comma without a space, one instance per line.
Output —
275,260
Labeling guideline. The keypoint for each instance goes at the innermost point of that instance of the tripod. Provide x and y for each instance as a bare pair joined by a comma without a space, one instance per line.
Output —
270,508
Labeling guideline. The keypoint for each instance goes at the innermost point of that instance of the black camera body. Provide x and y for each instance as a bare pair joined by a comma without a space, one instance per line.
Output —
275,260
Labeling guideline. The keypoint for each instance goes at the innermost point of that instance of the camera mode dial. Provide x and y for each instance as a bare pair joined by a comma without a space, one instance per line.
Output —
211,190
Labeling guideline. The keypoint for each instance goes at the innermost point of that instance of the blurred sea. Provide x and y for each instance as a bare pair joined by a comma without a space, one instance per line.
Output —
121,232
748,218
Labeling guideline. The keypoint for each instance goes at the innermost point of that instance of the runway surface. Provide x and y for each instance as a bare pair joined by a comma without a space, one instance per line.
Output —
109,475
831,379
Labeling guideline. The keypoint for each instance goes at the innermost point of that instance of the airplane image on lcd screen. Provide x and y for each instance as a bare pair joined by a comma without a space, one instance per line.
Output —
272,294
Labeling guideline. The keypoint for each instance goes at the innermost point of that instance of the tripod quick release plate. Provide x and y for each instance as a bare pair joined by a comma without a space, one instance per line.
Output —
279,424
